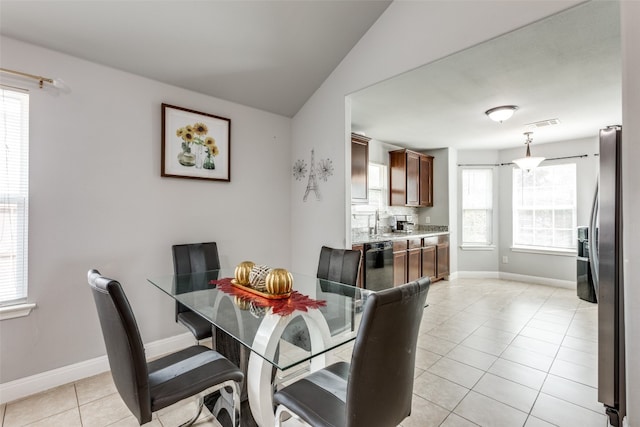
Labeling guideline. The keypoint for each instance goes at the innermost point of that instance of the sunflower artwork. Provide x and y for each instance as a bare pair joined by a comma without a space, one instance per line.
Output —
194,144
196,135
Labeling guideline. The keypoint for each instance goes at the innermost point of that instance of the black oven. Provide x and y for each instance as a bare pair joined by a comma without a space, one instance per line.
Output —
378,265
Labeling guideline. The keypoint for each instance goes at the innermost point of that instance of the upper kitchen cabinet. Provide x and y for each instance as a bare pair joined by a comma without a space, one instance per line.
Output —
410,179
359,168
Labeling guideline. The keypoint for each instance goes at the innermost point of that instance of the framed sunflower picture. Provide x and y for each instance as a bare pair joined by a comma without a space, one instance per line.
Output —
195,145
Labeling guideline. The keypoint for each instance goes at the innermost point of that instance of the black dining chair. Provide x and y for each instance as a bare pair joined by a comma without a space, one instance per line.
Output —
147,387
194,258
376,388
339,265
334,265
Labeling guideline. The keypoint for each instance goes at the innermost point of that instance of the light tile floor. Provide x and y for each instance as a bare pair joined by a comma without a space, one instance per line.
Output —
490,353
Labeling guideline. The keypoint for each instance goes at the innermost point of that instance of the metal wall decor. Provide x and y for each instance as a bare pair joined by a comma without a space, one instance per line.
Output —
320,172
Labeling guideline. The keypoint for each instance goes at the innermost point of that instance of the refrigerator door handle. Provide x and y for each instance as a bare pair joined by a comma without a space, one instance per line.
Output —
593,248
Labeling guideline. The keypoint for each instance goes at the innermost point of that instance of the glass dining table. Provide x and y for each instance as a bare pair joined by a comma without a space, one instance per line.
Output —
318,316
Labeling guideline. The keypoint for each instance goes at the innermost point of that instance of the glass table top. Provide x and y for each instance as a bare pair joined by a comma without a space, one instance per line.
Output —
248,318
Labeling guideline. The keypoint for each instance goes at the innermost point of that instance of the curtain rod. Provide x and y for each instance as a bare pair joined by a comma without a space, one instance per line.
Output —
511,163
41,79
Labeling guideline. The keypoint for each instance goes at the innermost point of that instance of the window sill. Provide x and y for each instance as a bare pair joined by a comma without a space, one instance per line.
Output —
544,251
17,310
477,247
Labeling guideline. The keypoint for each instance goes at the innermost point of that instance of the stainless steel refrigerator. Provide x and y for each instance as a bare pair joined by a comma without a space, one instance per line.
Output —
605,242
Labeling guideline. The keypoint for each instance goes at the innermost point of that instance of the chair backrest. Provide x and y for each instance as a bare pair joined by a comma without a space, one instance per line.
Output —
339,265
125,350
380,384
194,258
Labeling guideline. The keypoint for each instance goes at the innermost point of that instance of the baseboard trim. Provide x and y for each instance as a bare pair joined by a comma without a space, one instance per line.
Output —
478,274
566,284
27,386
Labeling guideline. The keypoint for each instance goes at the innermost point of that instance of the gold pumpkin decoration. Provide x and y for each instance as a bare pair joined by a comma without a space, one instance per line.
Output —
279,281
243,270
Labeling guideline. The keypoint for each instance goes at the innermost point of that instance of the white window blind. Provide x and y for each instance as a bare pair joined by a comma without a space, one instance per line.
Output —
544,207
14,195
477,206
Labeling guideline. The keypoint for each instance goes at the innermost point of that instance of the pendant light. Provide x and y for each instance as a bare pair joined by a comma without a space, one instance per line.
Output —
528,163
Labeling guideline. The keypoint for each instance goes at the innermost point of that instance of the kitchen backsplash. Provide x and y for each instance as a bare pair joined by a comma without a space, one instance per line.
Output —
363,218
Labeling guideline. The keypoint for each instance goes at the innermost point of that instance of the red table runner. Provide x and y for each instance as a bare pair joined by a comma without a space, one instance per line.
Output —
283,307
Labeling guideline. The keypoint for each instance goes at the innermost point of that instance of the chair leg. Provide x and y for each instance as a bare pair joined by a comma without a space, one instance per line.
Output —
281,410
229,402
198,412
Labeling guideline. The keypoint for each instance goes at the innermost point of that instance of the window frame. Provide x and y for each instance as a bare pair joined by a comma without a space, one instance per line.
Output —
15,195
489,232
519,246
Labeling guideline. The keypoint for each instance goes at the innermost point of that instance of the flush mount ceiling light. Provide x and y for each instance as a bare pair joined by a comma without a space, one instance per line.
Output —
502,113
528,163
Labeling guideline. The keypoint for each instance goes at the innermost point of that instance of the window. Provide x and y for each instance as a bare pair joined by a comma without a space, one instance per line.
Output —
544,207
377,180
14,195
477,207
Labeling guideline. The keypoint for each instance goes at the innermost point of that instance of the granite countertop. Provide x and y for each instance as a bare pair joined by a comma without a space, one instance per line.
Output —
359,238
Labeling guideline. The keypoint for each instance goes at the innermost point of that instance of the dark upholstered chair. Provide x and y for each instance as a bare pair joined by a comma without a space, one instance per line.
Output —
335,265
375,390
339,265
149,387
194,258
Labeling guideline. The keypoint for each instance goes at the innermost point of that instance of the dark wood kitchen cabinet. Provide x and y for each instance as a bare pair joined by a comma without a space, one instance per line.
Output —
359,168
429,262
399,262
414,261
435,257
443,259
410,178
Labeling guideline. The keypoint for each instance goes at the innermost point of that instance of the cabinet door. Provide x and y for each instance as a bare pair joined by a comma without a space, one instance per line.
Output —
443,259
426,181
413,179
429,262
414,263
359,169
399,268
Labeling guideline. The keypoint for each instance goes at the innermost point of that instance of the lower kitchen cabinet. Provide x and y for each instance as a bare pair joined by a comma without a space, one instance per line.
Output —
414,261
429,262
399,262
443,259
435,257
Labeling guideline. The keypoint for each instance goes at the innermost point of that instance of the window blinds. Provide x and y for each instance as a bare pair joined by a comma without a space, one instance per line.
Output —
14,195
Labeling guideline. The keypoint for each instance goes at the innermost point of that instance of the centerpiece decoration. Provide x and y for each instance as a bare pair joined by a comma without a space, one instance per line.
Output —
262,280
279,281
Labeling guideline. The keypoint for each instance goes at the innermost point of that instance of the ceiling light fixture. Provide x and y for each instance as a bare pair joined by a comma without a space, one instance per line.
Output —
502,113
528,163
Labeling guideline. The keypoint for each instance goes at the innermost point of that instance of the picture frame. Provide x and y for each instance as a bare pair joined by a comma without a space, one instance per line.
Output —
195,145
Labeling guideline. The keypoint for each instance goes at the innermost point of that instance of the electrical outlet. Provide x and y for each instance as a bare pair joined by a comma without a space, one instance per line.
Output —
505,259
427,220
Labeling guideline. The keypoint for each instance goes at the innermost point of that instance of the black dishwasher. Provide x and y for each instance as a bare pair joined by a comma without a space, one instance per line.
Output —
378,265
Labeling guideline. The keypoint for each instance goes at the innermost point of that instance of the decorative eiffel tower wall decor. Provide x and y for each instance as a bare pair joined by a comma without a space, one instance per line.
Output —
312,185
321,172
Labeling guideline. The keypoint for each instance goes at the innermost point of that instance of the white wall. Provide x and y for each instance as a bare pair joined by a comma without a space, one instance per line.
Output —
97,200
544,265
